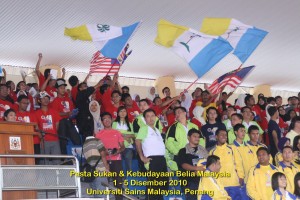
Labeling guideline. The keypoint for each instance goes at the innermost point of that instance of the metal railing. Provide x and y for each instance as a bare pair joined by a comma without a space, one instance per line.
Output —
39,177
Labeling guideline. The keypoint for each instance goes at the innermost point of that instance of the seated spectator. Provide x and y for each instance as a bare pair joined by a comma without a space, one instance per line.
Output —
188,158
288,168
210,183
259,184
279,184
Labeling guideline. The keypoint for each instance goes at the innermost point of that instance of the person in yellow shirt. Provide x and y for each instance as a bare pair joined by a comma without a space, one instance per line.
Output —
284,141
288,168
259,184
207,101
279,184
237,147
248,152
209,186
225,152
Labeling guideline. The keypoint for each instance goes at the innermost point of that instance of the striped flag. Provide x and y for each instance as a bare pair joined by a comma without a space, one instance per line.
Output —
109,66
232,79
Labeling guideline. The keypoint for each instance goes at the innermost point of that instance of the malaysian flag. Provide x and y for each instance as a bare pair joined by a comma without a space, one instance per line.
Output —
232,79
109,66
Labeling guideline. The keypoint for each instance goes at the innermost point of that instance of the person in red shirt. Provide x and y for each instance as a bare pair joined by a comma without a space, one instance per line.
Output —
250,102
48,122
74,82
21,90
114,143
132,109
112,105
11,90
22,115
49,87
62,103
197,97
4,103
166,91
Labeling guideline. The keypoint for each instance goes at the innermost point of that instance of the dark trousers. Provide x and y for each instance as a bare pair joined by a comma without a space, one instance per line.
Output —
158,164
116,166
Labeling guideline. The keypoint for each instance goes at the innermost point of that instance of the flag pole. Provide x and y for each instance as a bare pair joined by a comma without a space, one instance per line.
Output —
231,77
182,93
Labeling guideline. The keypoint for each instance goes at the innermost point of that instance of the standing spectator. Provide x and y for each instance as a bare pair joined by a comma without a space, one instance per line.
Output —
151,94
278,100
74,82
123,125
167,93
153,158
210,128
48,122
230,111
62,103
114,143
132,110
84,118
273,130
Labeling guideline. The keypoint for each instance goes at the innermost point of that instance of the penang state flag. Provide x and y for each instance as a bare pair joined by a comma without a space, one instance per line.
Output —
201,51
232,79
113,48
93,32
243,38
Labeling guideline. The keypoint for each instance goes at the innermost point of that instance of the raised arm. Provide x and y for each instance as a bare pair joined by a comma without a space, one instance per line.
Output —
37,67
43,88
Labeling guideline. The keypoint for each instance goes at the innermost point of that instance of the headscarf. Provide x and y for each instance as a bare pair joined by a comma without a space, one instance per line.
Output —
134,96
96,116
151,96
197,112
187,102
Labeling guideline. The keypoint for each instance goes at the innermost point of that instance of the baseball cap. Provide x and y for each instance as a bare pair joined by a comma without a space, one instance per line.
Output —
44,94
60,82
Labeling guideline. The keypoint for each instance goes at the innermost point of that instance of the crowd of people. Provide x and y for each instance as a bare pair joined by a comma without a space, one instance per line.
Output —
257,144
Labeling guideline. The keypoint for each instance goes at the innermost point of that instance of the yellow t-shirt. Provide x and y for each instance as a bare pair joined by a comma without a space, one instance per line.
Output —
205,108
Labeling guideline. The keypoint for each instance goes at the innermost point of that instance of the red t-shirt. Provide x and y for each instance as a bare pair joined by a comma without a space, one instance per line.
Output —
5,105
41,80
13,95
28,117
62,104
158,110
106,100
51,91
47,122
171,119
111,139
133,112
74,92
